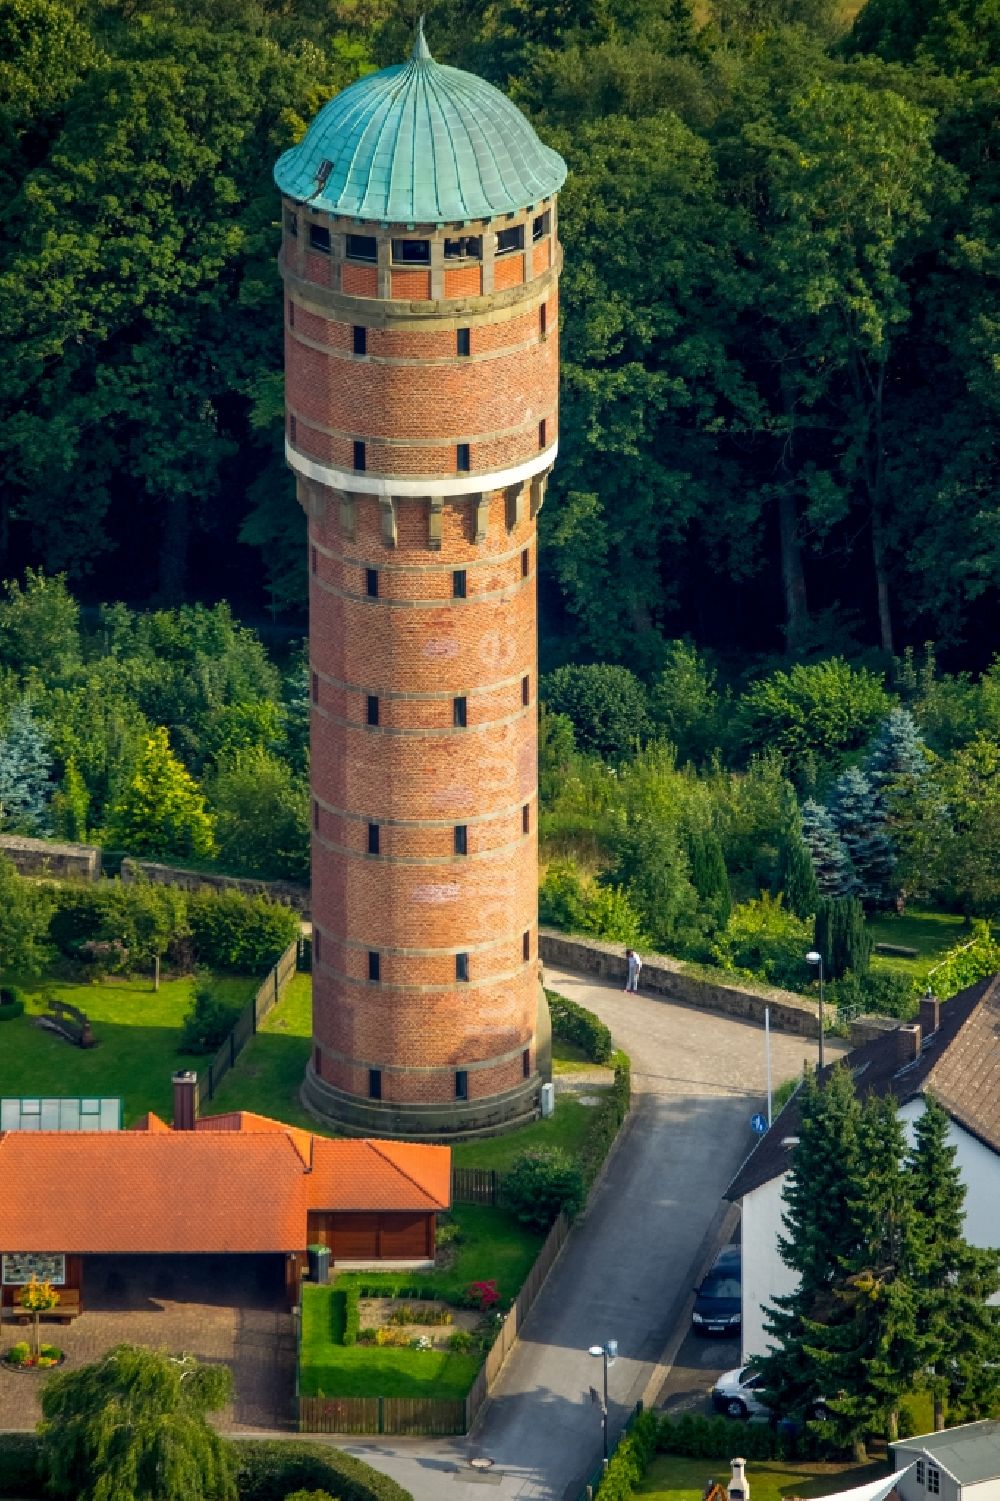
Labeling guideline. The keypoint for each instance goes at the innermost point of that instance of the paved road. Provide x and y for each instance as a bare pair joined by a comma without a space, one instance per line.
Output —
626,1272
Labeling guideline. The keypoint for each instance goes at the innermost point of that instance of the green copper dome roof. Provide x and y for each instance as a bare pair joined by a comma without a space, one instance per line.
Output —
420,143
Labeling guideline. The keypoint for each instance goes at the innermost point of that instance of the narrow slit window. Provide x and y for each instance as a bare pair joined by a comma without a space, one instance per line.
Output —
317,943
526,945
461,839
374,965
360,339
459,583
461,1084
291,313
292,225
526,819
292,425
526,1063
461,967
371,709
460,712
463,340
315,687
314,559
526,690
542,430
373,839
317,1063
525,563
543,319
319,238
371,583
360,457
315,815
374,1083
462,458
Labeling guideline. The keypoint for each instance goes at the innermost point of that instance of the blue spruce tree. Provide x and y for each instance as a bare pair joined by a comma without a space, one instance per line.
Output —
861,823
831,862
898,756
25,774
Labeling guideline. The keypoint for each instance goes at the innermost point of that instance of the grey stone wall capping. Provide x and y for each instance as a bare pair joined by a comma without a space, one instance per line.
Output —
46,857
672,978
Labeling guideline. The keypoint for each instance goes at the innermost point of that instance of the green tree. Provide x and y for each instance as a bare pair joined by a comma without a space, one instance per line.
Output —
972,959
161,811
861,819
134,1425
71,804
542,1184
261,811
606,705
823,709
795,879
958,1325
685,704
709,875
831,863
39,626
841,935
766,940
25,773
650,863
966,863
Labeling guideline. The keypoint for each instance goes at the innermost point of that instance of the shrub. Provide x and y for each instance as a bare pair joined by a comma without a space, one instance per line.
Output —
607,1118
271,1469
763,938
19,1354
449,1231
139,921
237,932
10,995
575,1024
208,1023
820,710
877,990
842,936
461,1342
607,706
395,1339
481,1295
542,1184
568,900
20,1470
310,1496
711,1438
11,1009
630,1460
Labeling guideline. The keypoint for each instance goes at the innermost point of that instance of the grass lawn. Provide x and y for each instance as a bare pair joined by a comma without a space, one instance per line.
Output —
137,1032
567,1058
568,1128
269,1071
493,1246
335,1370
674,1478
930,933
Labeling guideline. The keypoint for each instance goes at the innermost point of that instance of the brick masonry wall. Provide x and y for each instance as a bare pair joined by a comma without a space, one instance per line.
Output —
432,913
665,976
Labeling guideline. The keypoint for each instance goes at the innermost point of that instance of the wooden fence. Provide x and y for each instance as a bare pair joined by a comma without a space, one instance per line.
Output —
476,1185
269,994
393,1415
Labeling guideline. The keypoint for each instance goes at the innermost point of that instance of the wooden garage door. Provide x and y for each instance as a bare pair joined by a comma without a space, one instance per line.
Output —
354,1236
404,1236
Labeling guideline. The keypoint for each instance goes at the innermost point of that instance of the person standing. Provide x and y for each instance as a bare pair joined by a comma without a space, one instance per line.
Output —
634,966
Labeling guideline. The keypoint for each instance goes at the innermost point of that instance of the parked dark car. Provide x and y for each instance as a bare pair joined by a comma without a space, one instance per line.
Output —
718,1306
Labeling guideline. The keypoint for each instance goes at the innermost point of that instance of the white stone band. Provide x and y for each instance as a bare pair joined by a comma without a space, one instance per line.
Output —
391,485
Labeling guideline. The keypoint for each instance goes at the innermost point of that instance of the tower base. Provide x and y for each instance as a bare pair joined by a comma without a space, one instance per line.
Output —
454,1121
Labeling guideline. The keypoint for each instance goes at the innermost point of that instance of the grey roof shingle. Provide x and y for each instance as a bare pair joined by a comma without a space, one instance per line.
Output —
971,1452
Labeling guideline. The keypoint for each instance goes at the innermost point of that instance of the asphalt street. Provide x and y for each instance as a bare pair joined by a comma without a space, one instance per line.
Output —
626,1271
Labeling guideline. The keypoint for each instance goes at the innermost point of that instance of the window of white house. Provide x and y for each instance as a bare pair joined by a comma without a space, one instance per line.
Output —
933,1480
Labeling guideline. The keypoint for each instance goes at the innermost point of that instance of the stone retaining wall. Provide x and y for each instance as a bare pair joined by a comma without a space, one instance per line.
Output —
43,857
668,977
193,880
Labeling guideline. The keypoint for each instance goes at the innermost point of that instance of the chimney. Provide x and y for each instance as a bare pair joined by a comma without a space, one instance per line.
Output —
185,1100
907,1040
739,1485
930,1014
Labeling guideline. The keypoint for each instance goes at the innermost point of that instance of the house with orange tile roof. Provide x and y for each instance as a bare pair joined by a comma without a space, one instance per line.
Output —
236,1184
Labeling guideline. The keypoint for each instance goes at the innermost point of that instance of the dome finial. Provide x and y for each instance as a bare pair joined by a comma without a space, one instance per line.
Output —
421,52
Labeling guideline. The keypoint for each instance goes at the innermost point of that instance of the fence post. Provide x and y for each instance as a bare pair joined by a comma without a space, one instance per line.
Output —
277,989
381,1416
232,1047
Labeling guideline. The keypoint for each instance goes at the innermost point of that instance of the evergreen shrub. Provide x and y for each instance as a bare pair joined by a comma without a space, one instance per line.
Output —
236,932
630,1460
352,1315
699,1437
208,1023
271,1469
11,1003
607,1118
575,1024
541,1185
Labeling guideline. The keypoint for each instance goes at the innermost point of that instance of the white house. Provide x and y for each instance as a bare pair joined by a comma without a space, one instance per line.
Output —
952,1053
960,1464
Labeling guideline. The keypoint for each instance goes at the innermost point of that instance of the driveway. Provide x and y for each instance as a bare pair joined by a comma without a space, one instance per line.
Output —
626,1272
220,1308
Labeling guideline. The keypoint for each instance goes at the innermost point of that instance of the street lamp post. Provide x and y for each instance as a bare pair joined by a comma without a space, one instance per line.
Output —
606,1352
815,958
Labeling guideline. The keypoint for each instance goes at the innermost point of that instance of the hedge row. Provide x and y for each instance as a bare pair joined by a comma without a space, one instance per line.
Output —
631,1459
116,926
267,1470
352,1315
712,1438
575,1024
271,1469
607,1118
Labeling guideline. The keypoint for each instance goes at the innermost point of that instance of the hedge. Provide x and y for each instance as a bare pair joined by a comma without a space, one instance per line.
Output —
607,1117
575,1024
19,1470
630,1460
352,1315
243,933
270,1469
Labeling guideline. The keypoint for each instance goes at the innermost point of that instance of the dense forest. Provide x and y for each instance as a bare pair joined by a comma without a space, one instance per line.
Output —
779,309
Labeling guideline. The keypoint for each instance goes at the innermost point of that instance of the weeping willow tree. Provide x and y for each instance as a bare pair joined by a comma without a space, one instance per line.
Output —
133,1427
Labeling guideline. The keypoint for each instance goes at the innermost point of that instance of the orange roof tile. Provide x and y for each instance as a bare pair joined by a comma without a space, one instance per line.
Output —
350,1174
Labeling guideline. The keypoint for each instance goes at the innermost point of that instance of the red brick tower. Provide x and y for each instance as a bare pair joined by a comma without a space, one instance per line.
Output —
420,262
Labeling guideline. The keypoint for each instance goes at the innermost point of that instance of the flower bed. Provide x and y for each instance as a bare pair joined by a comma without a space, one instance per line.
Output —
21,1357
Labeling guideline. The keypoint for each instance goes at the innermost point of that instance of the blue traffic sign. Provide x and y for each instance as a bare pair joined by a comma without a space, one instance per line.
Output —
758,1124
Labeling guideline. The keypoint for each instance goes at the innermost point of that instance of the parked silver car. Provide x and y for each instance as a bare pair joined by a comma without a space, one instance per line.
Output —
738,1394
